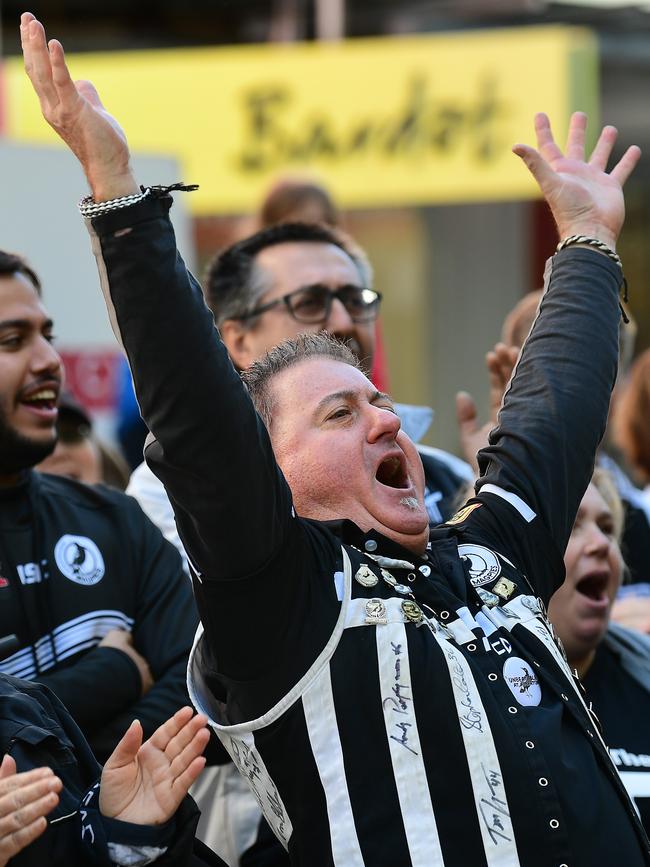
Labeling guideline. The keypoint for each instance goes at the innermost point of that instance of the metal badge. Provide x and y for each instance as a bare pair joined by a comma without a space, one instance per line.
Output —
412,611
425,570
491,600
402,588
504,588
366,577
388,578
531,604
375,612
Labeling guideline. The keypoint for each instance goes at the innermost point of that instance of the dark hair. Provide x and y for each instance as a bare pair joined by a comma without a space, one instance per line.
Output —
233,285
287,200
285,355
12,263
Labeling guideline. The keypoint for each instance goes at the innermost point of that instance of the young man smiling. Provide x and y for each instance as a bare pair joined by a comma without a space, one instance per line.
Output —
359,675
84,575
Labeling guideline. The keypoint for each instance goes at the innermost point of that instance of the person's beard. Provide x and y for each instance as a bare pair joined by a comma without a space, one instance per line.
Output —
18,452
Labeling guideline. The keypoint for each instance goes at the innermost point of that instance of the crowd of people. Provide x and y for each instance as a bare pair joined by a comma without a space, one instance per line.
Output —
396,657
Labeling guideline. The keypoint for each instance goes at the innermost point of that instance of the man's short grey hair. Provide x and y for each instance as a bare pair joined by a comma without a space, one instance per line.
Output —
285,355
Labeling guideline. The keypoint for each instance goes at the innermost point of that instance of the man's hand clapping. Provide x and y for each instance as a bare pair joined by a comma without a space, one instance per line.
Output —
145,783
25,800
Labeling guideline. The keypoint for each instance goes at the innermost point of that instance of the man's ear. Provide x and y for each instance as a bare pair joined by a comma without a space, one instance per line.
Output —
235,336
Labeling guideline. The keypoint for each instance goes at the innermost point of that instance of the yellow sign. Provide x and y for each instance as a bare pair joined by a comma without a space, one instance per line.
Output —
392,121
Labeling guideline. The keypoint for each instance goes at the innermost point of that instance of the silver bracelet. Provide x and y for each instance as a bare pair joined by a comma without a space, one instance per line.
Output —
90,208
590,242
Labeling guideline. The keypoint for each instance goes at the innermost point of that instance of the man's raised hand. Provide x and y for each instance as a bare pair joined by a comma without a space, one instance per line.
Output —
584,198
145,783
25,800
75,112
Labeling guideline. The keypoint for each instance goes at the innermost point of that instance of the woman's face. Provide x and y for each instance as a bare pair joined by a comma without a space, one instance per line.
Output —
580,609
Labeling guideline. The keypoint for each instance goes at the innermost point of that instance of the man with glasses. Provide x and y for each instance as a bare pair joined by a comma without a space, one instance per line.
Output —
291,279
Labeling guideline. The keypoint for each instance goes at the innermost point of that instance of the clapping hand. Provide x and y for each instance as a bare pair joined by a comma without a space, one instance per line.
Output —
144,783
25,800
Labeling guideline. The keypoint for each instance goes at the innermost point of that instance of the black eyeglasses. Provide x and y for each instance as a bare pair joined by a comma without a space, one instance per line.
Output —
313,304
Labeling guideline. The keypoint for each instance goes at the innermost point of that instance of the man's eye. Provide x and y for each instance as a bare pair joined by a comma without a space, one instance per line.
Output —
308,303
340,413
12,341
50,337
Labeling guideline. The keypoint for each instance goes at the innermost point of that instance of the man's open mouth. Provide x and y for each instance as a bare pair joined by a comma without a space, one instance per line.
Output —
392,473
44,397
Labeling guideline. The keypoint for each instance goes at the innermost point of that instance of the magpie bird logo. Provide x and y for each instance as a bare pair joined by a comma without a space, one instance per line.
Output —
79,559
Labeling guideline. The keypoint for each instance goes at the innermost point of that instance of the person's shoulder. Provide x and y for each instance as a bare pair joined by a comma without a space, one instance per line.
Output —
97,497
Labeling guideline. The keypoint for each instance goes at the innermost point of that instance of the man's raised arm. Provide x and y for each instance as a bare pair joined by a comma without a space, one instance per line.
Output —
211,450
555,408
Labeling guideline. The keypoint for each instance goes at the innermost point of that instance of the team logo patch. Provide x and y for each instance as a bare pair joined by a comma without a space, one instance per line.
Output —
463,514
79,559
483,564
522,681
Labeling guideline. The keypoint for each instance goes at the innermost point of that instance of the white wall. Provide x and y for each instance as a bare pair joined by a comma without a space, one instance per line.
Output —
40,188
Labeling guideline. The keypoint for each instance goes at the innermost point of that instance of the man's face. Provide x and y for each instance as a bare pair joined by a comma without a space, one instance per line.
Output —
340,447
30,377
282,269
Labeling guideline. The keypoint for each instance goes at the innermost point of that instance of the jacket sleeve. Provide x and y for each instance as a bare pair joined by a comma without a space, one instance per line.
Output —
165,621
119,676
209,447
541,453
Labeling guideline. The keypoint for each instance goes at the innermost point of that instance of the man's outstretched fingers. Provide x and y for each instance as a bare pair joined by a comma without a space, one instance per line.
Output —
545,141
603,149
625,166
40,72
575,144
536,164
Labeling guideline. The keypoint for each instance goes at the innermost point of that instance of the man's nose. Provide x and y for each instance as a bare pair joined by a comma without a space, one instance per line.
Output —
384,422
45,358
339,321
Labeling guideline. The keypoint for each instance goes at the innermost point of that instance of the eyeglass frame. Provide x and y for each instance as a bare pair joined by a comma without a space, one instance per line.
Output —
331,295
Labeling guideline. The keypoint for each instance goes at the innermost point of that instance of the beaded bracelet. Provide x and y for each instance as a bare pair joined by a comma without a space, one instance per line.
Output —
90,208
611,254
590,242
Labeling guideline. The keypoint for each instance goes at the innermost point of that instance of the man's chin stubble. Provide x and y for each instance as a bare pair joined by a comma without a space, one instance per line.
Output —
19,453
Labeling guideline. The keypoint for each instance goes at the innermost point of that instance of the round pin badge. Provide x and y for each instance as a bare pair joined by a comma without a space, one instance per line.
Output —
522,681
483,564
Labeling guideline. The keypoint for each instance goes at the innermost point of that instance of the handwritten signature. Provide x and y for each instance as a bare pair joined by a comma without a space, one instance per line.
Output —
494,810
398,702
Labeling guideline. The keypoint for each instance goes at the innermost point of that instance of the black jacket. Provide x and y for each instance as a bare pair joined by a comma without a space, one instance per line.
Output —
389,707
75,562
